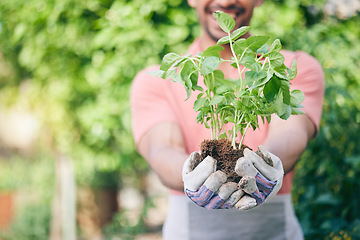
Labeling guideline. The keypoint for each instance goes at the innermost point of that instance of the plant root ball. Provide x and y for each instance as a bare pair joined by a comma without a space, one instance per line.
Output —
225,155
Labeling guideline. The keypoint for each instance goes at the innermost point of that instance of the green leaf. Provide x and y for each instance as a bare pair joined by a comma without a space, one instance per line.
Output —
252,118
276,59
287,110
168,60
293,70
239,32
200,117
297,111
218,75
188,83
158,73
268,119
250,63
205,122
280,72
263,119
269,75
213,51
230,83
255,123
199,103
181,59
186,70
223,40
216,99
170,74
240,46
253,79
285,89
256,42
230,96
209,65
222,89
188,92
194,80
228,110
229,119
263,49
275,46
223,135
279,105
209,82
296,97
271,89
176,78
268,109
225,21
238,104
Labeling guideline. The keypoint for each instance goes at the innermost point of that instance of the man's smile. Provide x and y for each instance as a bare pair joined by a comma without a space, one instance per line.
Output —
233,10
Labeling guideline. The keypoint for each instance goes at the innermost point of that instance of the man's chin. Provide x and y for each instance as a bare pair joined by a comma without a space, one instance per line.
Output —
216,34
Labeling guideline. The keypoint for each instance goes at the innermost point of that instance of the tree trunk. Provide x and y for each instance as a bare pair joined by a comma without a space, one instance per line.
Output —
63,222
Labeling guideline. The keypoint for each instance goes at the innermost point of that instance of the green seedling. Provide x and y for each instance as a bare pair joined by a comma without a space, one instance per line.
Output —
261,89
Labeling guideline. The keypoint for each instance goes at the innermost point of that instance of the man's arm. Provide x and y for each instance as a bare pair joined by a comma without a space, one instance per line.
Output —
163,148
288,139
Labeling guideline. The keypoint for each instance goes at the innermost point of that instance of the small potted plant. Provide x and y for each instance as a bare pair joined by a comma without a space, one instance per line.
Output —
261,89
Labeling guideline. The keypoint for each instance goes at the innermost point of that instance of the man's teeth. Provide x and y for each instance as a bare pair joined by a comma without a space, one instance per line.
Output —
232,14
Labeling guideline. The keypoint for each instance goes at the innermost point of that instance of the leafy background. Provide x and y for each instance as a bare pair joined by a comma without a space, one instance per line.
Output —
71,63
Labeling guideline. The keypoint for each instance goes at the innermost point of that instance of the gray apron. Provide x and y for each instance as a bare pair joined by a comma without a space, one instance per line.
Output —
273,220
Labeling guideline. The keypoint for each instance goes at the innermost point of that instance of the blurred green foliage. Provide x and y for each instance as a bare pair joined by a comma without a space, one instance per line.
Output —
77,59
71,64
122,228
32,223
32,205
326,187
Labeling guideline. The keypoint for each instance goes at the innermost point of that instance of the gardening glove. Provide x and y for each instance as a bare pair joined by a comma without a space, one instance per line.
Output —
206,187
261,179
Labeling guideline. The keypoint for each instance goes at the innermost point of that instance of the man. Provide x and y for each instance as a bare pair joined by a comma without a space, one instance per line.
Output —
166,133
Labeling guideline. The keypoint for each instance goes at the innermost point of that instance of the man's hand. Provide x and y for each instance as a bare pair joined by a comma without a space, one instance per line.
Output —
261,179
206,187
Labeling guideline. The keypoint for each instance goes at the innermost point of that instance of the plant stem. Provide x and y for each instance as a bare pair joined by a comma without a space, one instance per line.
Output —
217,125
265,63
234,129
212,124
221,125
196,65
236,61
243,136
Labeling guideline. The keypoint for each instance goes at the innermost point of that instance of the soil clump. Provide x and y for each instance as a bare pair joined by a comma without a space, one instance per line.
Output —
225,155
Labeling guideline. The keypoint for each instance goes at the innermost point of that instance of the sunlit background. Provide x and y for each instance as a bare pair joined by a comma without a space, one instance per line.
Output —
68,165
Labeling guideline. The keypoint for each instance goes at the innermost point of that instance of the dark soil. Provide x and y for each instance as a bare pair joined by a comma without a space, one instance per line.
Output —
225,154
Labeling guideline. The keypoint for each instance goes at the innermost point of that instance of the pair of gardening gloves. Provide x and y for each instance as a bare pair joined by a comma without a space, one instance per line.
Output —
260,180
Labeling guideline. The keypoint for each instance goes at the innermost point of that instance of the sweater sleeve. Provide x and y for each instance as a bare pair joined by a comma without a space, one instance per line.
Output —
310,80
149,103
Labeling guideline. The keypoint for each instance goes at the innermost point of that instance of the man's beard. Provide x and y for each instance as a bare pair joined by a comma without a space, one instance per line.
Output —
212,36
211,9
